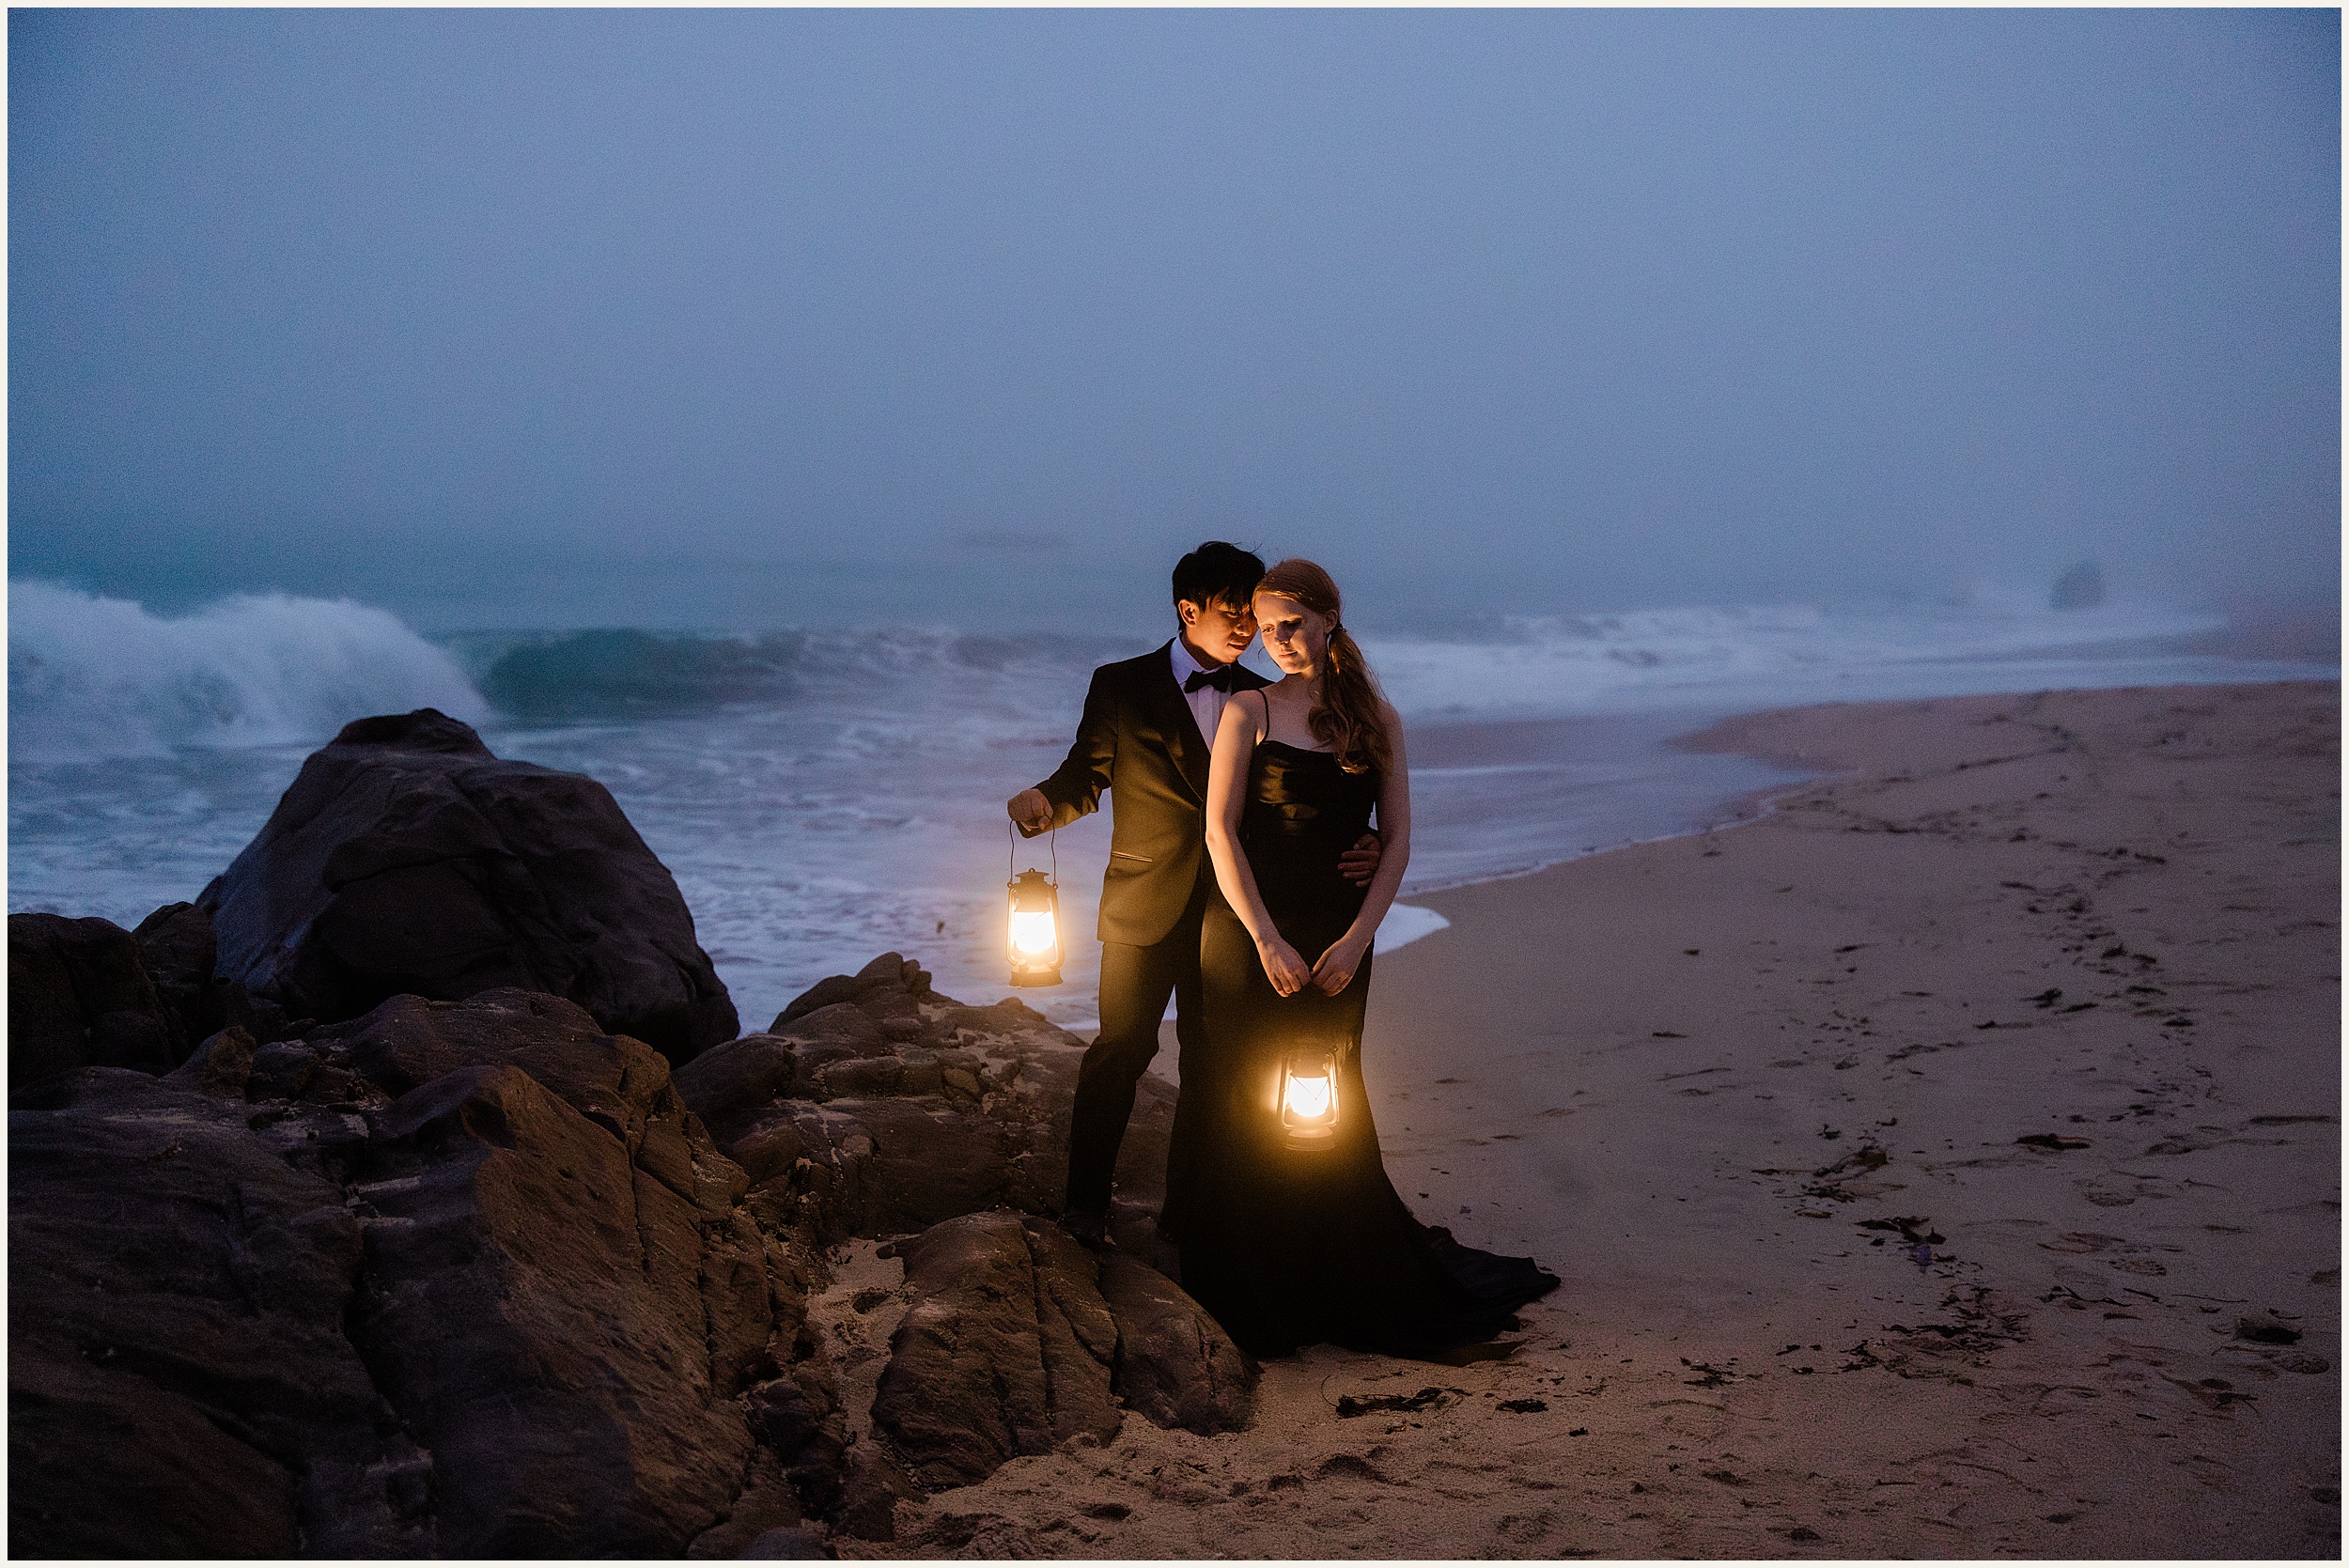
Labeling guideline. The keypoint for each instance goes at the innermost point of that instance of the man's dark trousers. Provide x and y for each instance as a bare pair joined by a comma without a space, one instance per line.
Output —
1137,740
1136,982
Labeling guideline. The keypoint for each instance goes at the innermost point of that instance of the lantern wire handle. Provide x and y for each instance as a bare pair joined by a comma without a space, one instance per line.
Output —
1011,852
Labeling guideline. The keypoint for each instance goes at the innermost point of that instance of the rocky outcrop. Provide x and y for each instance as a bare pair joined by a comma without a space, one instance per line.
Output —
1018,1341
408,859
877,1107
457,1278
179,951
560,1326
1175,1366
1006,1349
179,1380
473,1277
79,996
409,1195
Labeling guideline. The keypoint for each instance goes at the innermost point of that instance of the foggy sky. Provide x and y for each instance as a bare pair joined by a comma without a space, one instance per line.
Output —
771,317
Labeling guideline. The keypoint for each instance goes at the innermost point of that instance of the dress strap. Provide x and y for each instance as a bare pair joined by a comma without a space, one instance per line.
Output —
1263,727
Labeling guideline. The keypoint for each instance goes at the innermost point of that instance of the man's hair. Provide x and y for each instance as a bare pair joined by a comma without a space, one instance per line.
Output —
1215,571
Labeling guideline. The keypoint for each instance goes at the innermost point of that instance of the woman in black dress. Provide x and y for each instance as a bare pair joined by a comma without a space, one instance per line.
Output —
1292,1238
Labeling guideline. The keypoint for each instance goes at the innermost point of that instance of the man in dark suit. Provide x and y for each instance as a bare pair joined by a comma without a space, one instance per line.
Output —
1148,726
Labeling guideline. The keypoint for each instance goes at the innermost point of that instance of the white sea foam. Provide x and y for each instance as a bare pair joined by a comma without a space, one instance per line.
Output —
1404,923
91,676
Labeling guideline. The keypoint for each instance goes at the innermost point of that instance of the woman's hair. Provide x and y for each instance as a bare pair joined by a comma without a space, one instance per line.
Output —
1347,716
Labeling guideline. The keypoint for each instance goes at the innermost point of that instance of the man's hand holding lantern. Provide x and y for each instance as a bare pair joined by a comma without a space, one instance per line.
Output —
1030,810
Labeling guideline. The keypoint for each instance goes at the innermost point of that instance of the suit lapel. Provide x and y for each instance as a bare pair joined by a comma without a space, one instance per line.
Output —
1165,705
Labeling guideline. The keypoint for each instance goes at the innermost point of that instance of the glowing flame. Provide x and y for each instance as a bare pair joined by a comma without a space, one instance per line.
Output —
1032,931
1309,1098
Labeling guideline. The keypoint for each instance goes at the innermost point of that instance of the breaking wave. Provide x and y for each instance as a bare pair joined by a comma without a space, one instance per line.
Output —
96,676
626,672
90,676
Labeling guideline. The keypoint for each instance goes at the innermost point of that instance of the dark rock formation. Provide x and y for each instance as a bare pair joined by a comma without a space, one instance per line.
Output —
797,1420
179,1380
463,1277
1175,1365
220,1066
1019,1340
178,950
406,858
793,1542
541,1314
78,996
870,1491
471,1278
768,1510
877,1107
1006,1349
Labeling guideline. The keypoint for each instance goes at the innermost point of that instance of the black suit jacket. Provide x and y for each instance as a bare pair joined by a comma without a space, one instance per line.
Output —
1138,739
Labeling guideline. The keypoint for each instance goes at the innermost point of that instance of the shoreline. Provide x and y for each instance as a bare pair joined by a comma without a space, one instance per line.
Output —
1872,1246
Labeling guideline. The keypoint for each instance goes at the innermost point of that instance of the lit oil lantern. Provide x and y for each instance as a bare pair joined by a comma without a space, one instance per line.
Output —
1309,1098
1034,943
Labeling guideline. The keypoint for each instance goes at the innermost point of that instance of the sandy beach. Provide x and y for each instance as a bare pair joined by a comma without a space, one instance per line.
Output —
1943,1162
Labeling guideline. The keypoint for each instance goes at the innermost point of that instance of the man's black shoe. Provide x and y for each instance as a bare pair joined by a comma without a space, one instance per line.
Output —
1090,1227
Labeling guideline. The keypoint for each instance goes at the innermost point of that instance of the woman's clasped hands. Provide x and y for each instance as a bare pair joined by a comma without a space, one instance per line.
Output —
1338,966
1289,973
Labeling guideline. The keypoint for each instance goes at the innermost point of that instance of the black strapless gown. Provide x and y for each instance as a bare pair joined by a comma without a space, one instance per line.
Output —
1286,1247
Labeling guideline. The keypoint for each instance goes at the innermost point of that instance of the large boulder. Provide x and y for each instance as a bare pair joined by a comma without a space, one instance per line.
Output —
537,1312
407,858
1018,1341
563,1299
179,952
79,996
1175,1365
1005,1349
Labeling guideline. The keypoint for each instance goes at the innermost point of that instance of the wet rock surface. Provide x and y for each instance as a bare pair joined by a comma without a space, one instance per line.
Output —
408,859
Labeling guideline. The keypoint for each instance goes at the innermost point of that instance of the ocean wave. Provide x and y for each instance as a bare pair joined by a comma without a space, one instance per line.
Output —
626,673
95,677
90,676
1772,655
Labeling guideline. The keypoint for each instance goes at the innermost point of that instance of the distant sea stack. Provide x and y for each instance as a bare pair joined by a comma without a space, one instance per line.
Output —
408,859
2080,588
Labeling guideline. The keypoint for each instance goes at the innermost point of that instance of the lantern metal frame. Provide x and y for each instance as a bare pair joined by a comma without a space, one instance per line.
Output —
1030,892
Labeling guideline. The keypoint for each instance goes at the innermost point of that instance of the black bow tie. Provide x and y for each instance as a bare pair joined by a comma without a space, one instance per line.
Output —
1224,677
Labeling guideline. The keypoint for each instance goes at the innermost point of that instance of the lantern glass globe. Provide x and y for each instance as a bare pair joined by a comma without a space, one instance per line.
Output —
1031,943
1309,1098
1032,931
